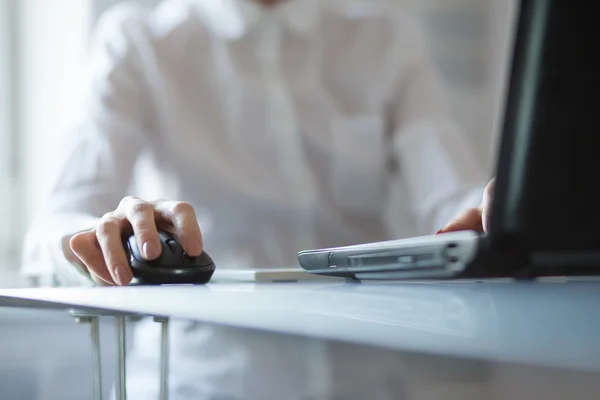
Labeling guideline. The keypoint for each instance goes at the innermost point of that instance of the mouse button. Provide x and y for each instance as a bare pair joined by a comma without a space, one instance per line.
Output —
194,261
202,260
164,236
171,255
189,259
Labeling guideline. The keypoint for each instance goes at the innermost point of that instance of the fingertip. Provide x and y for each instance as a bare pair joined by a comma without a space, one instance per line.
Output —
123,275
191,241
193,247
185,224
148,241
96,268
151,249
101,280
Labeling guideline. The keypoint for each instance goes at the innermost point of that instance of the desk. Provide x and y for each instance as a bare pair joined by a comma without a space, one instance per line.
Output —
552,325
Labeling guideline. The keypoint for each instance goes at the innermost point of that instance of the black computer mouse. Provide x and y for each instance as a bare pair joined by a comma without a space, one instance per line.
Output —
172,267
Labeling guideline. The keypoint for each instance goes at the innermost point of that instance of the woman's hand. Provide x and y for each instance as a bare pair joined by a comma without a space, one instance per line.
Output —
476,219
101,249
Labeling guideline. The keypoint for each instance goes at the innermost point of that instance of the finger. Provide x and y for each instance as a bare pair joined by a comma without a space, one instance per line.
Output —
486,205
85,246
108,234
141,217
183,218
468,220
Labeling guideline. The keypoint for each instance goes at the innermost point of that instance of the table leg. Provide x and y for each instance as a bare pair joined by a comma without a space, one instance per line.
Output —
96,360
164,357
95,333
121,358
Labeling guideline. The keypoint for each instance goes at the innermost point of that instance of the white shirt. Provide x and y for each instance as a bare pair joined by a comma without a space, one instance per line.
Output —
314,123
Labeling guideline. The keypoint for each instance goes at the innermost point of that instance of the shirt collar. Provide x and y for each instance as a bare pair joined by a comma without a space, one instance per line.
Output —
232,19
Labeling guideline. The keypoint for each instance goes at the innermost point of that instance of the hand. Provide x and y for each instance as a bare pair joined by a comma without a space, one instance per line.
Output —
101,249
476,219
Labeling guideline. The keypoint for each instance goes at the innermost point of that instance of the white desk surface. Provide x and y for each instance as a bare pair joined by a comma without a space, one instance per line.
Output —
550,324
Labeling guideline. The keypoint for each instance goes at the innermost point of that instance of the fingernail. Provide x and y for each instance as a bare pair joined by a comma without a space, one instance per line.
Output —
122,276
440,231
150,250
194,248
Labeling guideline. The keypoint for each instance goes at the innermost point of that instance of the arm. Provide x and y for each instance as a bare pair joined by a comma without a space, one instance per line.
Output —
97,160
440,174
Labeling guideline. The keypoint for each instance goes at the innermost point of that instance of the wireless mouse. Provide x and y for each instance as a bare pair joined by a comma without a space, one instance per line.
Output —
172,267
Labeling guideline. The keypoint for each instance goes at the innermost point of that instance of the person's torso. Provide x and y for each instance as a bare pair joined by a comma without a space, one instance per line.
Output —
281,142
280,139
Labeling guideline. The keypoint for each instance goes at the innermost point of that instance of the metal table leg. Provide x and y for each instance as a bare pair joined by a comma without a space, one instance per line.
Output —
121,360
164,357
121,386
95,334
94,322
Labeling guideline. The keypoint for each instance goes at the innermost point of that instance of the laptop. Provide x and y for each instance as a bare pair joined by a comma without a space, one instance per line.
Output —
545,218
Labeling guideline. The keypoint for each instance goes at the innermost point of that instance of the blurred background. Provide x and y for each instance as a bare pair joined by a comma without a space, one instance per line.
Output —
42,46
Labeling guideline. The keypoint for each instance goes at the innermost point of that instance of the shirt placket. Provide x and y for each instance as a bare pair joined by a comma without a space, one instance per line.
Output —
285,136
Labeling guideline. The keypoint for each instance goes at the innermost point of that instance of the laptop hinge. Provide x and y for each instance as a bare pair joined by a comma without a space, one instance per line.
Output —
566,258
507,254
500,256
565,263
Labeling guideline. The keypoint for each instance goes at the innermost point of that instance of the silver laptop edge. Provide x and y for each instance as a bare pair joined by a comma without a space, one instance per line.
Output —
439,256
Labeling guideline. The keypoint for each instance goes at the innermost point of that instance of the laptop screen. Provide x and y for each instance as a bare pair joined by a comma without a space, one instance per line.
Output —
548,172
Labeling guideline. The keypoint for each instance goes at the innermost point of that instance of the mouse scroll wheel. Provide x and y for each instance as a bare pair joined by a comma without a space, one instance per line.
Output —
174,246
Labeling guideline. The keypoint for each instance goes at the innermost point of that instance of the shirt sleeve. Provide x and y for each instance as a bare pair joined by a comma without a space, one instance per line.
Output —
437,168
97,158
